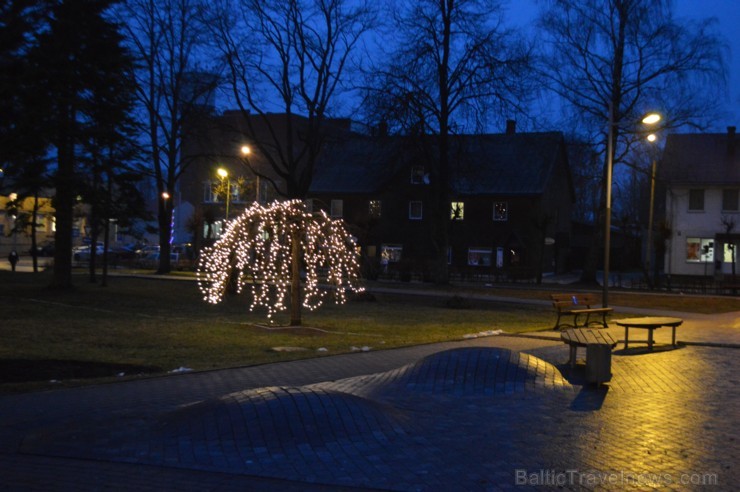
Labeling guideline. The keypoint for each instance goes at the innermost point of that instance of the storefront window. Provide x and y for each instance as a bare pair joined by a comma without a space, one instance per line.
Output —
699,250
391,253
479,256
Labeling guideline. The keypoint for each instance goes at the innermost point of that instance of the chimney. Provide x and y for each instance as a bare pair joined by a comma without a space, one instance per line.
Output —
510,127
731,140
383,129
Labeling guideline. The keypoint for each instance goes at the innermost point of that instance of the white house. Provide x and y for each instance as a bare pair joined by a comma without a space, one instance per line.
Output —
701,175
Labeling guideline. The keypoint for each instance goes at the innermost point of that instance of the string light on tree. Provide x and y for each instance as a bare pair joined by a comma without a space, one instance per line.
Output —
257,249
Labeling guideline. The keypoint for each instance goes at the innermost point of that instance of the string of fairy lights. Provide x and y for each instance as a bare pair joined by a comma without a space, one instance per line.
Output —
256,250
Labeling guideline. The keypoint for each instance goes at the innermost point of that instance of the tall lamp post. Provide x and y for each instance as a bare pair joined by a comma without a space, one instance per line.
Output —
224,174
246,150
651,138
649,119
165,204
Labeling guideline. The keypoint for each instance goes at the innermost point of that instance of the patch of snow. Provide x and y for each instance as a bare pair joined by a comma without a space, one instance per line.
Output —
490,333
289,349
180,369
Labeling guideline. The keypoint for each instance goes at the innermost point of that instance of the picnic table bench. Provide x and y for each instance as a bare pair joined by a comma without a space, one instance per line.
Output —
599,345
650,323
577,304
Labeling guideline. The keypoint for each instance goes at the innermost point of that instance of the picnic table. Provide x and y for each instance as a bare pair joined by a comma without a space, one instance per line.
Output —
598,345
650,323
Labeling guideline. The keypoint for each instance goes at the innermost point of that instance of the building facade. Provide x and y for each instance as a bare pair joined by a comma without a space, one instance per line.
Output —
701,175
509,209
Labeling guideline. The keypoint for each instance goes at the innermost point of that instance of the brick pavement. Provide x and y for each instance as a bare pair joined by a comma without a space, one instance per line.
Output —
484,414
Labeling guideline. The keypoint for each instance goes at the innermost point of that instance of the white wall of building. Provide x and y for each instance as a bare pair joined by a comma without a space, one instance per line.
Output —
693,229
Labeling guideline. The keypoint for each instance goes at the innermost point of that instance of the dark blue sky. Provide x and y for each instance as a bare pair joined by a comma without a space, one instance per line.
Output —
727,12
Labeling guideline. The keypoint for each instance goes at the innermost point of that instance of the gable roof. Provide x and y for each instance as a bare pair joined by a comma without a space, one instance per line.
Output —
501,164
702,159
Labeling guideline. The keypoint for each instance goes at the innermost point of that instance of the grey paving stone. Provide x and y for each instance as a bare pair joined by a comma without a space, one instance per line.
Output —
416,419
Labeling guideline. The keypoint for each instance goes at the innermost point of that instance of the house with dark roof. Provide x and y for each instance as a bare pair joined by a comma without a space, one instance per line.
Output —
509,213
701,175
220,179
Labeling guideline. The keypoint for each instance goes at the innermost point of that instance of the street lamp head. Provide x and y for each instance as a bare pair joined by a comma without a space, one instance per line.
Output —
222,172
651,118
246,150
652,137
165,195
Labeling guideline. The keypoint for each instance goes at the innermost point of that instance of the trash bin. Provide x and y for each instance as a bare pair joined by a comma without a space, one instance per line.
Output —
598,363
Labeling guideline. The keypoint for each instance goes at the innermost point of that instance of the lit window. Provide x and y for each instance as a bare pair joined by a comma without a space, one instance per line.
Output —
699,250
730,200
210,192
696,200
457,211
501,211
729,255
375,209
417,175
337,208
415,210
391,253
234,191
479,256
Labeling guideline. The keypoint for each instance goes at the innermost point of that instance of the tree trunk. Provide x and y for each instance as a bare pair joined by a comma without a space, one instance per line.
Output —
34,217
65,200
295,280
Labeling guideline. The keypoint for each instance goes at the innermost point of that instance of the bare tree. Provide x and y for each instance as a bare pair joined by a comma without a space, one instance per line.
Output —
613,60
454,65
174,80
287,56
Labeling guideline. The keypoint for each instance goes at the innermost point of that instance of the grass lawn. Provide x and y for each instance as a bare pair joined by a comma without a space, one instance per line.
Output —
149,326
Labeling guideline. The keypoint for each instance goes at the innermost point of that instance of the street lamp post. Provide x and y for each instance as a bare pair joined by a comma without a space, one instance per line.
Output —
223,173
169,211
246,150
608,208
651,138
649,119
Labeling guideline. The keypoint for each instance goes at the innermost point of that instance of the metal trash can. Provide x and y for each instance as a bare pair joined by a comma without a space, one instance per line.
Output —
598,363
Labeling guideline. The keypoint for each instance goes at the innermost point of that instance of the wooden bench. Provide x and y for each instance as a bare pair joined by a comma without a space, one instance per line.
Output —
599,345
577,304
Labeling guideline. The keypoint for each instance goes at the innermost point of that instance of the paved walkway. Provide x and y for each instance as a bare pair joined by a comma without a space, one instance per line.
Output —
491,413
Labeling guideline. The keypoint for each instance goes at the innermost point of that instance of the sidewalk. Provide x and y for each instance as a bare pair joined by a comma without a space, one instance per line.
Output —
491,413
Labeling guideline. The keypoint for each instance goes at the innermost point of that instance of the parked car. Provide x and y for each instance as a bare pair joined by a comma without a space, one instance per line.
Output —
152,260
145,251
45,248
122,253
82,253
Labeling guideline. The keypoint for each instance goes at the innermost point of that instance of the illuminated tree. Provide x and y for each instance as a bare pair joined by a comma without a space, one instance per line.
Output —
265,249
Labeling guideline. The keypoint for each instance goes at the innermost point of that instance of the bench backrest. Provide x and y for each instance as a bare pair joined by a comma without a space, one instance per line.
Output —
570,301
